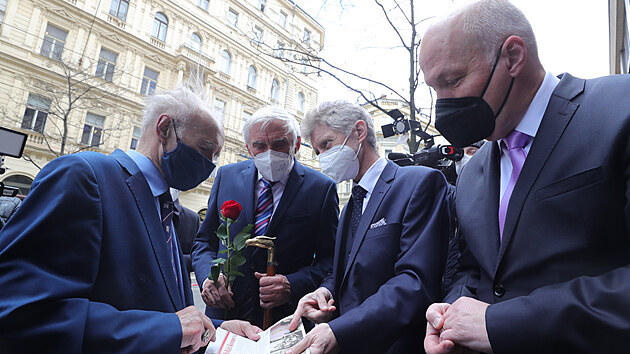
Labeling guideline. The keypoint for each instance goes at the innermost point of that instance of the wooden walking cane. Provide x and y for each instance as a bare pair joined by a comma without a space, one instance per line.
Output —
266,242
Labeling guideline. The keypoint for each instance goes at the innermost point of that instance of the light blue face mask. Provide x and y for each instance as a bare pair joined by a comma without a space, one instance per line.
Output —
185,168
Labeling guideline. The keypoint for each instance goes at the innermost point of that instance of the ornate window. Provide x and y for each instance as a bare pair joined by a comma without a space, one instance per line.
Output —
93,130
36,113
106,64
195,42
54,41
226,62
119,8
251,77
160,26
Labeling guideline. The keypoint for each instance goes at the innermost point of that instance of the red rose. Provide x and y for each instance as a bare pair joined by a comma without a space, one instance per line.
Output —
231,209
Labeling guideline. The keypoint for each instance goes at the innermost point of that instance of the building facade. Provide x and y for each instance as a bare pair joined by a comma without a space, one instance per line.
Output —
619,25
74,73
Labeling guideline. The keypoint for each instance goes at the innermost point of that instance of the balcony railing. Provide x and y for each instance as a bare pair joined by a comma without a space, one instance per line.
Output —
116,21
158,43
196,57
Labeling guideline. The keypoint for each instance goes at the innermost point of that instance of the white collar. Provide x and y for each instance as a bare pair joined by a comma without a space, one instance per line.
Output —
369,179
533,117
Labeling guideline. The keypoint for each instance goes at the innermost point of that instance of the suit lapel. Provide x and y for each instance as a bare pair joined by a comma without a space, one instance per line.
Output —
248,178
248,181
146,206
559,112
341,231
294,182
490,169
380,189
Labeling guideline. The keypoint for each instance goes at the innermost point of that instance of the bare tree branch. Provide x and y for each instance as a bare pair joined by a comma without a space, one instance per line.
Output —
392,24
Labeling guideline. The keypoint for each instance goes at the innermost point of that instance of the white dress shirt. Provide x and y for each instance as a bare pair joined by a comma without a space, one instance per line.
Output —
369,179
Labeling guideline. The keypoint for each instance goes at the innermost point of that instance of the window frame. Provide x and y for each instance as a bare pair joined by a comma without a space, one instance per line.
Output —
37,113
205,2
252,74
301,100
93,130
232,15
117,10
51,44
283,19
146,88
158,24
193,43
106,66
226,62
275,88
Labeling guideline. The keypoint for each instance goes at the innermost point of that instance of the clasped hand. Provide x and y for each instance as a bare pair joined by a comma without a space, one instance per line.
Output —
452,328
275,290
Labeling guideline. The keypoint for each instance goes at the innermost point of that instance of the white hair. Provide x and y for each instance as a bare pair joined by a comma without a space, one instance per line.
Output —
488,23
266,115
180,104
340,116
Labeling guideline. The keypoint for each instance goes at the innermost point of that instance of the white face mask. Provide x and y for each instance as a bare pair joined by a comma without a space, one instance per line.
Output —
274,165
460,164
340,162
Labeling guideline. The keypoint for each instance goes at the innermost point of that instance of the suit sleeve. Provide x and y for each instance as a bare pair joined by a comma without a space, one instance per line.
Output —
206,245
310,277
404,298
49,260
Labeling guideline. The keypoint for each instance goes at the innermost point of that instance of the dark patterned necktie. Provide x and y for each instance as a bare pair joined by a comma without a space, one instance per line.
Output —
166,211
358,194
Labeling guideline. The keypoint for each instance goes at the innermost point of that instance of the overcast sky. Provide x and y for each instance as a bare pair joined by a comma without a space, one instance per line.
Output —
572,37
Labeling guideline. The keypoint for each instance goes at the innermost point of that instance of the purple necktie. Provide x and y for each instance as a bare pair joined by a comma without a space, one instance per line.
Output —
515,142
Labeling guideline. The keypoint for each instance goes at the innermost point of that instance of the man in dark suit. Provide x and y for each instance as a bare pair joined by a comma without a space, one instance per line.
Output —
295,204
89,264
186,224
543,208
391,243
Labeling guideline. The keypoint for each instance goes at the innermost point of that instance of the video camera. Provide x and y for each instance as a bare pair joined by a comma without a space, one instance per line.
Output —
11,144
440,157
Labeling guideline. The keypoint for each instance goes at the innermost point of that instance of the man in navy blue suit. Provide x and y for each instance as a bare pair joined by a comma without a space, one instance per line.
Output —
391,242
543,207
295,204
91,264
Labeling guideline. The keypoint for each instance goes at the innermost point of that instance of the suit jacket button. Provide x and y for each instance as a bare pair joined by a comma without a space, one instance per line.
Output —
499,290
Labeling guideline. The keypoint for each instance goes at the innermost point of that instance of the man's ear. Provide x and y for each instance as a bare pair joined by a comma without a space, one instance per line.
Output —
163,128
516,50
361,130
297,144
248,150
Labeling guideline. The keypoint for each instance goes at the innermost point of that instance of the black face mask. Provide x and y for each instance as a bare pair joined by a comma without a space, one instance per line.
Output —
465,120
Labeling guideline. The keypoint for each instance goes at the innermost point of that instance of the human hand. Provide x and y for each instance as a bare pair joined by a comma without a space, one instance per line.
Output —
275,290
316,306
433,344
217,295
464,323
194,324
320,340
242,328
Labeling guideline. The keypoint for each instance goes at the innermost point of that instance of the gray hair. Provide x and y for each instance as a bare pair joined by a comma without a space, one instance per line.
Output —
180,104
266,115
488,23
340,116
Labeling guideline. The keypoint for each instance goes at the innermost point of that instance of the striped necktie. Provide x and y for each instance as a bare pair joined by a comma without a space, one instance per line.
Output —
166,211
264,208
